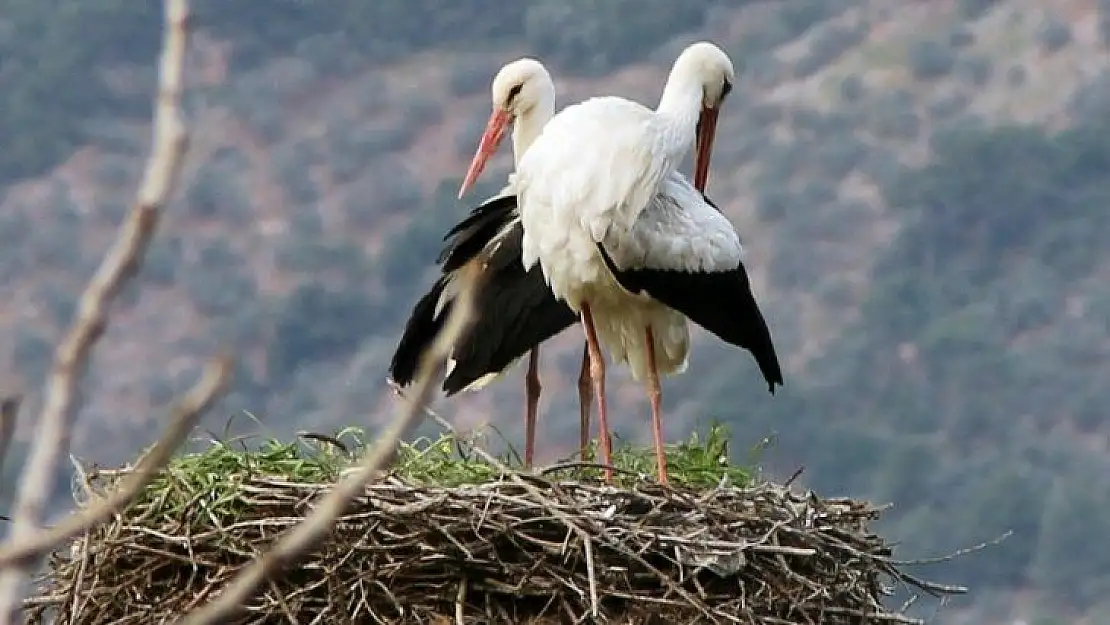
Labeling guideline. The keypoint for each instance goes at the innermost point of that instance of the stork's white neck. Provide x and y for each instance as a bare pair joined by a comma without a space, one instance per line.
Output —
677,115
528,125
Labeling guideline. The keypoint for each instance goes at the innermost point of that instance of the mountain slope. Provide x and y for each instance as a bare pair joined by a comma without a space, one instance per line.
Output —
933,276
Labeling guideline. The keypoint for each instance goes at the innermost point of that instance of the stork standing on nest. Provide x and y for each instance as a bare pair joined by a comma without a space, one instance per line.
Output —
632,268
516,309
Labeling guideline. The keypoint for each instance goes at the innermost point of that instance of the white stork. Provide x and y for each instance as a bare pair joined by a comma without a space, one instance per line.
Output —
516,310
635,268
516,306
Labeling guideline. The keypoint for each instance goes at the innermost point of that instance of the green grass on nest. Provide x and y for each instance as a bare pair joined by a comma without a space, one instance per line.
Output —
219,470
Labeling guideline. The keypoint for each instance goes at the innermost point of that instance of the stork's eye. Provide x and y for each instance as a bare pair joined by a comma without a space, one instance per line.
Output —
726,89
513,93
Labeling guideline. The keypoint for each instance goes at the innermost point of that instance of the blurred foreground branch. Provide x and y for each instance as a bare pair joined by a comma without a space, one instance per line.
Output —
186,413
120,264
320,522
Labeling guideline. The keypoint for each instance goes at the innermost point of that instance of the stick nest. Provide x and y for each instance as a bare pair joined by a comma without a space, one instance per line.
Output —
514,548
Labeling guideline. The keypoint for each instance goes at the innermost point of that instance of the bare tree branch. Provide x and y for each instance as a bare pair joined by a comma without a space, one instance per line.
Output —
9,414
186,413
321,521
119,265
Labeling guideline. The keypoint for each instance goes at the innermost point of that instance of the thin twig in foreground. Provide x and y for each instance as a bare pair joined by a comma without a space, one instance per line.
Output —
9,413
321,520
187,412
119,265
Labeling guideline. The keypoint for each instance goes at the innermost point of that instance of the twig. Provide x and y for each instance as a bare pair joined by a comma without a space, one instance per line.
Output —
317,524
324,438
288,613
186,414
793,477
77,598
460,603
569,466
591,573
119,265
933,588
9,413
955,554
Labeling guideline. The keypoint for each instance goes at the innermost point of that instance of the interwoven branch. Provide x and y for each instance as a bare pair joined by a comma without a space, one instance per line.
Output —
493,553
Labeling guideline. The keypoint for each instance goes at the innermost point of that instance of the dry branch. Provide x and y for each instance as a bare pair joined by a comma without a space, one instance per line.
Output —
318,524
186,414
118,266
9,414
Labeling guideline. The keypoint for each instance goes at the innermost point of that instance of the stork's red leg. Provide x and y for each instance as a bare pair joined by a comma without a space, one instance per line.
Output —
597,374
655,396
532,399
585,398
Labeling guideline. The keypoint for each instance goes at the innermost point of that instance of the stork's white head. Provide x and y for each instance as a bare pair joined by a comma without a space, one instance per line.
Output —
520,86
519,90
706,69
709,66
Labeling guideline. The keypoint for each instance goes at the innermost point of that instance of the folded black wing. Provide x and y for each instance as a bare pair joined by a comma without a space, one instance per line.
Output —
517,312
515,309
721,302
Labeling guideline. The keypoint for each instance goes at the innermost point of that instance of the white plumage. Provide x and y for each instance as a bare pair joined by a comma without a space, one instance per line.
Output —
633,241
679,231
577,199
589,178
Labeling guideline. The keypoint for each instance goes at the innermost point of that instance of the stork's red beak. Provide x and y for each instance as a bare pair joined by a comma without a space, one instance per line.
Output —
703,146
495,131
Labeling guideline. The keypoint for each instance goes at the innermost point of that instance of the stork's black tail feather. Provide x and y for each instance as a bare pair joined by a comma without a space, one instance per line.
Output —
720,302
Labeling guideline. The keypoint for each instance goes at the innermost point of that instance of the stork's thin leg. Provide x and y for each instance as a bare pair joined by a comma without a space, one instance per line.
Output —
585,398
532,397
655,396
597,374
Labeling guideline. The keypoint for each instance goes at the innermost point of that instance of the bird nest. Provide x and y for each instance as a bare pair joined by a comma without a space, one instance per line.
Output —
504,548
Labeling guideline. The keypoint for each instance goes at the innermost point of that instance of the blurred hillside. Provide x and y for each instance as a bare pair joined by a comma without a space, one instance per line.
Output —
923,189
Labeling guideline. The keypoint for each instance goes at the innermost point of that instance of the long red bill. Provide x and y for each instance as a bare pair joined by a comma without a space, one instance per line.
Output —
495,131
703,146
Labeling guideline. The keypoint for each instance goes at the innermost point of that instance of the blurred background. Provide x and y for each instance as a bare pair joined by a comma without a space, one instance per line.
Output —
923,189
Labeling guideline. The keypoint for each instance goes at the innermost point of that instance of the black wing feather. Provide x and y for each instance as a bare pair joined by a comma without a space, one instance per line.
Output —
470,236
420,330
465,241
721,302
516,310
